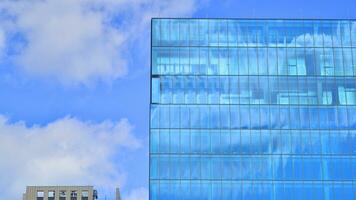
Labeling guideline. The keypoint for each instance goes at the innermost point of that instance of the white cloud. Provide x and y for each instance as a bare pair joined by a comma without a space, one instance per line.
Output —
66,151
83,40
2,42
138,194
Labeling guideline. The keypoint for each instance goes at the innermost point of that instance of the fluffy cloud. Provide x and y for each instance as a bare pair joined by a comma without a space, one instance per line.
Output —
83,40
66,151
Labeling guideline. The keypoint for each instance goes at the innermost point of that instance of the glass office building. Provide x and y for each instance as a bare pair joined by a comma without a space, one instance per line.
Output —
253,109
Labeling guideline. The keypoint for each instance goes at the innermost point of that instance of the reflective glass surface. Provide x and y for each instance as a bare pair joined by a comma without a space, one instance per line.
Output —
253,109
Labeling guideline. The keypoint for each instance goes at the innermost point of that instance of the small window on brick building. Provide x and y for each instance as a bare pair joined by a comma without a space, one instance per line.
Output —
40,195
85,195
51,195
62,195
73,195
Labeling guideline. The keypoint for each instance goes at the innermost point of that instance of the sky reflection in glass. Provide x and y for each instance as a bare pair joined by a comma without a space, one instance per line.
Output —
253,109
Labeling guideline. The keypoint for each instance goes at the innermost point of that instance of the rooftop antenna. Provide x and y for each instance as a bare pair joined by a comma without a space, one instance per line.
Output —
118,196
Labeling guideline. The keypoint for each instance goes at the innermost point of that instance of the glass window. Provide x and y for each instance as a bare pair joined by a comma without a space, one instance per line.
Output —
40,195
225,116
174,116
235,141
51,195
245,143
285,141
216,168
244,91
352,120
236,190
205,141
272,61
243,61
215,141
274,117
226,191
194,167
185,141
242,34
224,90
248,191
214,122
164,140
164,115
315,142
156,32
213,90
154,141
194,30
354,58
232,33
244,117
202,90
308,117
282,61
184,62
174,167
206,168
85,195
165,32
204,32
233,61
194,116
165,89
174,33
205,190
163,167
190,89
164,190
266,139
156,90
294,117
223,64
338,61
174,141
154,190
195,190
339,168
62,195
225,141
223,39
154,171
263,61
214,32
204,116
195,140
184,32
204,61
194,60
178,90
252,61
184,117
348,63
73,195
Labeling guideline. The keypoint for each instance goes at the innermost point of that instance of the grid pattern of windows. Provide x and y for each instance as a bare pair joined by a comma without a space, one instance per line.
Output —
253,109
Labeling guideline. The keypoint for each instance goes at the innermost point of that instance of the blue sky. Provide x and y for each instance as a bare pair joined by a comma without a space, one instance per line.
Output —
81,68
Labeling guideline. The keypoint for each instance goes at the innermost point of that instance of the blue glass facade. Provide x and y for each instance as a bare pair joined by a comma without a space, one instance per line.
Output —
253,109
